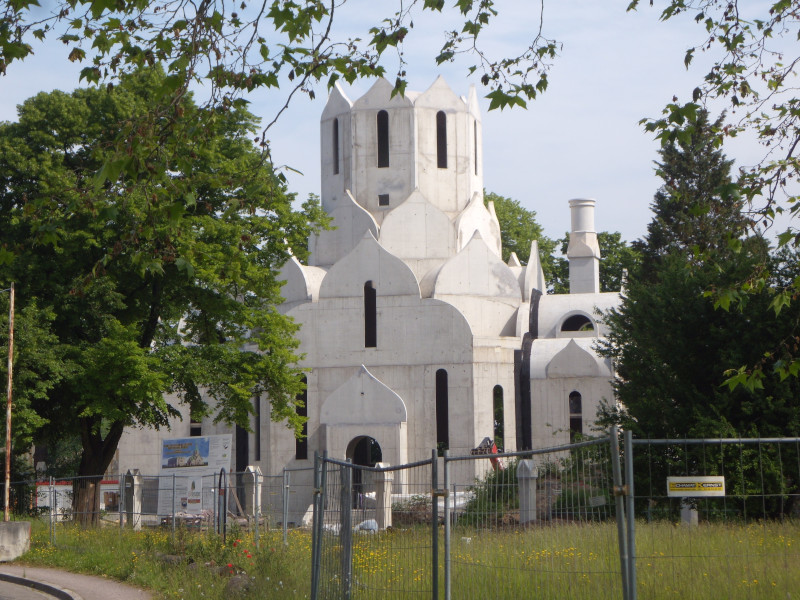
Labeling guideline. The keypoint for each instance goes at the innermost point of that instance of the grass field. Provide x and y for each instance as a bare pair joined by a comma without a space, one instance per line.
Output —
754,561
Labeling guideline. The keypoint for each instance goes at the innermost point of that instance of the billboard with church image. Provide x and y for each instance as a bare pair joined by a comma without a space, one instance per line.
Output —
188,465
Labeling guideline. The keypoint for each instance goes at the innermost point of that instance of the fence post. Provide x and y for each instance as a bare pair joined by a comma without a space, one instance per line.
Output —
173,507
257,507
630,516
527,476
434,524
447,565
383,496
285,505
222,507
53,509
133,499
346,531
619,491
121,503
316,526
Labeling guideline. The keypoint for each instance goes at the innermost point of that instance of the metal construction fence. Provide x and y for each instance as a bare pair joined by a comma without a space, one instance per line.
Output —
604,518
249,500
692,518
717,518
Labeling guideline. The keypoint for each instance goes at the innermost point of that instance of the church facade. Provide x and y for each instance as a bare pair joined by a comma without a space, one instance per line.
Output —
415,333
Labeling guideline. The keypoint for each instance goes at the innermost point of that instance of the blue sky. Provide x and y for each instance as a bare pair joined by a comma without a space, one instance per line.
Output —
582,138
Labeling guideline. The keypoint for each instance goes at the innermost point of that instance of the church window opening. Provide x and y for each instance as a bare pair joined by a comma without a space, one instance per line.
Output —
383,139
575,416
242,448
366,452
195,424
441,140
301,410
370,316
442,425
383,199
499,421
475,145
257,428
578,323
335,146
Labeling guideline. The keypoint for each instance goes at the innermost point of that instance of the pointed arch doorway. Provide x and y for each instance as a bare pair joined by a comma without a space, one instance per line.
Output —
365,451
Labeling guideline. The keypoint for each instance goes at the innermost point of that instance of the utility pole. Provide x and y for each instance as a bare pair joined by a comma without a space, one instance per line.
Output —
8,405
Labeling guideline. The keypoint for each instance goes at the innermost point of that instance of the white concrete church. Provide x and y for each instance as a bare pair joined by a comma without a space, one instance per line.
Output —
412,326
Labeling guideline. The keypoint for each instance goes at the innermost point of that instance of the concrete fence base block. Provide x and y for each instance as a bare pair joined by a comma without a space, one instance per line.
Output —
15,539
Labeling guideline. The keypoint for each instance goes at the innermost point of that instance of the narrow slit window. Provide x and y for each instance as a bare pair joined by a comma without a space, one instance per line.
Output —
335,148
575,416
301,444
442,424
441,140
370,316
383,139
195,424
257,428
499,420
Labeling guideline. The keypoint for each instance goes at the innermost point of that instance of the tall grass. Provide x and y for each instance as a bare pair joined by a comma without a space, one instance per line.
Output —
758,560
206,564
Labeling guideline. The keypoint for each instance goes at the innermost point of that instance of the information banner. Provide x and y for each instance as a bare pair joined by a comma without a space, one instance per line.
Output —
187,464
696,486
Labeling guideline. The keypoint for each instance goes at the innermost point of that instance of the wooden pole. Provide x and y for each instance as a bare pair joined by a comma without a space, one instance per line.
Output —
8,404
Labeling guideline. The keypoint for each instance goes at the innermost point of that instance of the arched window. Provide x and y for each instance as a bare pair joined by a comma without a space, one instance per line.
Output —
370,316
301,409
335,149
499,421
475,145
575,416
441,140
442,425
578,323
383,139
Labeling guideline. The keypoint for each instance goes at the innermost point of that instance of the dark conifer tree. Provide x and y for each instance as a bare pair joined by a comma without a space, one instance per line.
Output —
696,210
671,346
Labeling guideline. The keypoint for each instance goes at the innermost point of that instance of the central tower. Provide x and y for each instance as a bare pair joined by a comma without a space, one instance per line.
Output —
381,148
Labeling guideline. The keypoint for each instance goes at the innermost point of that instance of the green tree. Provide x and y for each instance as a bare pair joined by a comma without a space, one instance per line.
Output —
156,289
753,56
38,366
670,344
672,348
697,211
234,49
616,257
518,229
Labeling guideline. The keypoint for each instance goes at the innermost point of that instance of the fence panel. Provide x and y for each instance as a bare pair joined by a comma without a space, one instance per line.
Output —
539,525
743,543
375,528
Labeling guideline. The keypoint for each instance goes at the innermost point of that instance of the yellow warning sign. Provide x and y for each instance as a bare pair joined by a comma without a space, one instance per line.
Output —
697,486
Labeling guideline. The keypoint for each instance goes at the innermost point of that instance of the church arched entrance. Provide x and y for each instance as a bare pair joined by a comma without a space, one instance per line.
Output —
365,451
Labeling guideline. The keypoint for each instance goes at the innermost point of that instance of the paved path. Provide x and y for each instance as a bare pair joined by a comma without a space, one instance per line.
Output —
10,591
77,587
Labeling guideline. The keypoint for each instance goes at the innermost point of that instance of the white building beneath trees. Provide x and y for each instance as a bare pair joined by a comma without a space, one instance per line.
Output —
416,334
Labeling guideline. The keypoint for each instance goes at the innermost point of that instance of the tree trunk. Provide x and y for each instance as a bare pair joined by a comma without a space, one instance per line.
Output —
95,458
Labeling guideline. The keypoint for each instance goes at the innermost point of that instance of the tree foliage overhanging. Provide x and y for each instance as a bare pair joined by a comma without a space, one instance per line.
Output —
233,48
140,296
